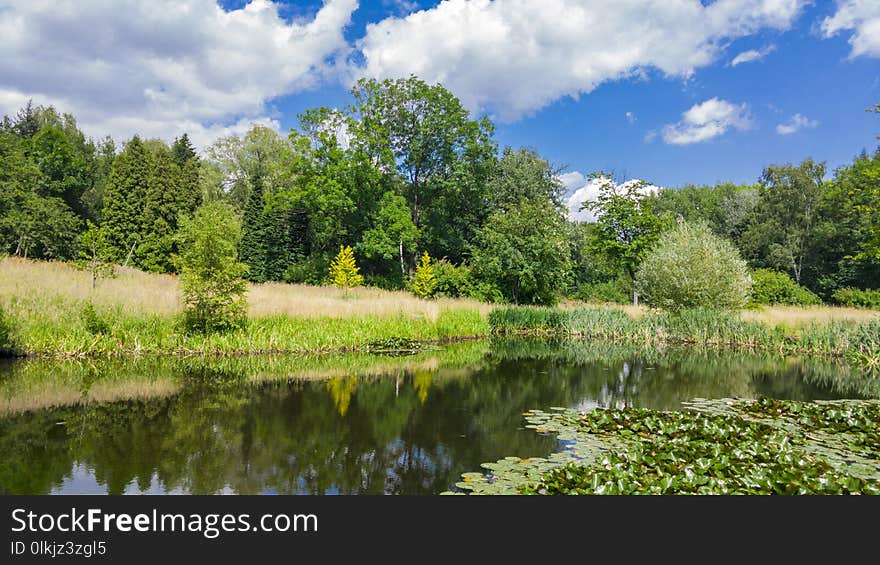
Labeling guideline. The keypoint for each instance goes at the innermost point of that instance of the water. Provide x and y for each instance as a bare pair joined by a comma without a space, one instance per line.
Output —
347,424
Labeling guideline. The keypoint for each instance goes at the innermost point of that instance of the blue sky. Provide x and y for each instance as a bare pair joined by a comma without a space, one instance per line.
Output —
638,88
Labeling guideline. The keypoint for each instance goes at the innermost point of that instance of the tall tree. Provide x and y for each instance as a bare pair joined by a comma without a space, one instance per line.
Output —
255,231
124,200
187,161
162,208
780,232
627,227
443,156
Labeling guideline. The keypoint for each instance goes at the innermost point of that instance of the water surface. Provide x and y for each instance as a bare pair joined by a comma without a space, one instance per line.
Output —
346,424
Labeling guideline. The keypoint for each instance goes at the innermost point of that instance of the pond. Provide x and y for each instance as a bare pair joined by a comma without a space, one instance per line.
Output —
346,424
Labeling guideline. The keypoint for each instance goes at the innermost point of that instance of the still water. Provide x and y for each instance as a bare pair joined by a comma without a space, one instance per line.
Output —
345,424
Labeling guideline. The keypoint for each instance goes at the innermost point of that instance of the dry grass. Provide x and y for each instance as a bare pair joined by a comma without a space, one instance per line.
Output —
146,293
794,316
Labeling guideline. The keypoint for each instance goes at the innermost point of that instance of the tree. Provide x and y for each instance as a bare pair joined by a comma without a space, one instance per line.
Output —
93,254
425,134
124,200
523,252
162,208
252,248
344,272
393,234
423,281
780,232
627,227
522,175
690,267
210,274
188,164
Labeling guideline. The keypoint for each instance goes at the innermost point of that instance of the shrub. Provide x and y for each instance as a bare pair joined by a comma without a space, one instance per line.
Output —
306,271
773,287
615,291
691,267
452,280
423,283
858,298
92,321
210,273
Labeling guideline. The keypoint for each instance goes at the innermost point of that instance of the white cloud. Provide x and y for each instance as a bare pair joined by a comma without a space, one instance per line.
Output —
631,118
162,67
583,190
752,55
797,122
705,121
513,57
863,18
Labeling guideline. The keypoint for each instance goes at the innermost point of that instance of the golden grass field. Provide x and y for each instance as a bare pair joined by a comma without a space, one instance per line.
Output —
148,293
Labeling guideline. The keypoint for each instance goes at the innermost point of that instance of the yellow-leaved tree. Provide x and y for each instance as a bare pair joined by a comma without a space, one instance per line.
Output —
344,271
424,282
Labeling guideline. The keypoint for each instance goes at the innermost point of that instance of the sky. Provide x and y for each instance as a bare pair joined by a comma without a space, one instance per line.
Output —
669,91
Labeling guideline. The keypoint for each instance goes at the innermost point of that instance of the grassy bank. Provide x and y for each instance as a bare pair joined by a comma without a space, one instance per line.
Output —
51,309
823,335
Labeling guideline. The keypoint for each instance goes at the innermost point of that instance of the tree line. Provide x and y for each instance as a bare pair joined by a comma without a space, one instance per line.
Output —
402,176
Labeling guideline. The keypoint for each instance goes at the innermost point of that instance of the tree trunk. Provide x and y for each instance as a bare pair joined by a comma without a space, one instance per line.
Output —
130,251
402,263
635,296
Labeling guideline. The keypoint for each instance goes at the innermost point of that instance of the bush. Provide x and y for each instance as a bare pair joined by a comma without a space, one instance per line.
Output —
858,298
691,267
92,321
210,273
306,271
773,287
451,280
424,282
615,291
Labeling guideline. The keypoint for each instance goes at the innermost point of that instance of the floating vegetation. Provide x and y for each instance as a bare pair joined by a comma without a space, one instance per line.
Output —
726,446
398,346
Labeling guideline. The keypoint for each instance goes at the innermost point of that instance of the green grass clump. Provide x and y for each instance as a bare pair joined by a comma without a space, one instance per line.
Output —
527,318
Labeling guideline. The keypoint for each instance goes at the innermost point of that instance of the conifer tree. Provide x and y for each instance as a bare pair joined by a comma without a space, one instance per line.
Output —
187,161
424,282
255,233
344,272
124,200
161,210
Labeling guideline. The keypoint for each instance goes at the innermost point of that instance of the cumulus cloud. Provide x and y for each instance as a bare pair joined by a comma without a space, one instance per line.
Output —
162,67
862,17
513,57
796,123
707,120
584,189
752,55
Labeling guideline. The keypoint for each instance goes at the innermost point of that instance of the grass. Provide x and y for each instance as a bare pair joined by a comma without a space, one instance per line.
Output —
837,333
54,311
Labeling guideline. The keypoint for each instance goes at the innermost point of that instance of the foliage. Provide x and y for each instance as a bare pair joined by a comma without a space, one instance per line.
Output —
785,217
210,274
124,198
6,332
867,298
424,282
523,252
344,272
774,287
94,323
693,268
628,225
93,254
451,280
614,291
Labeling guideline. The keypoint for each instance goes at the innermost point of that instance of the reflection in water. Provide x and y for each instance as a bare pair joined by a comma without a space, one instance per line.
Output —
345,424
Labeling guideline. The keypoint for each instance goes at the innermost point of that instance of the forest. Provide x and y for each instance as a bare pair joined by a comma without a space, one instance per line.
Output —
407,176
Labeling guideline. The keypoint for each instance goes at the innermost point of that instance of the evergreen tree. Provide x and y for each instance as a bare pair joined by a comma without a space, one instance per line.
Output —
255,232
344,271
26,123
424,282
124,200
189,187
161,210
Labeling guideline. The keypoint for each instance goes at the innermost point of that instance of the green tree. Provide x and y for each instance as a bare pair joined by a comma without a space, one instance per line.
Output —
424,282
443,157
393,234
162,207
344,272
124,200
690,267
628,225
522,175
210,274
254,240
93,254
188,185
524,252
